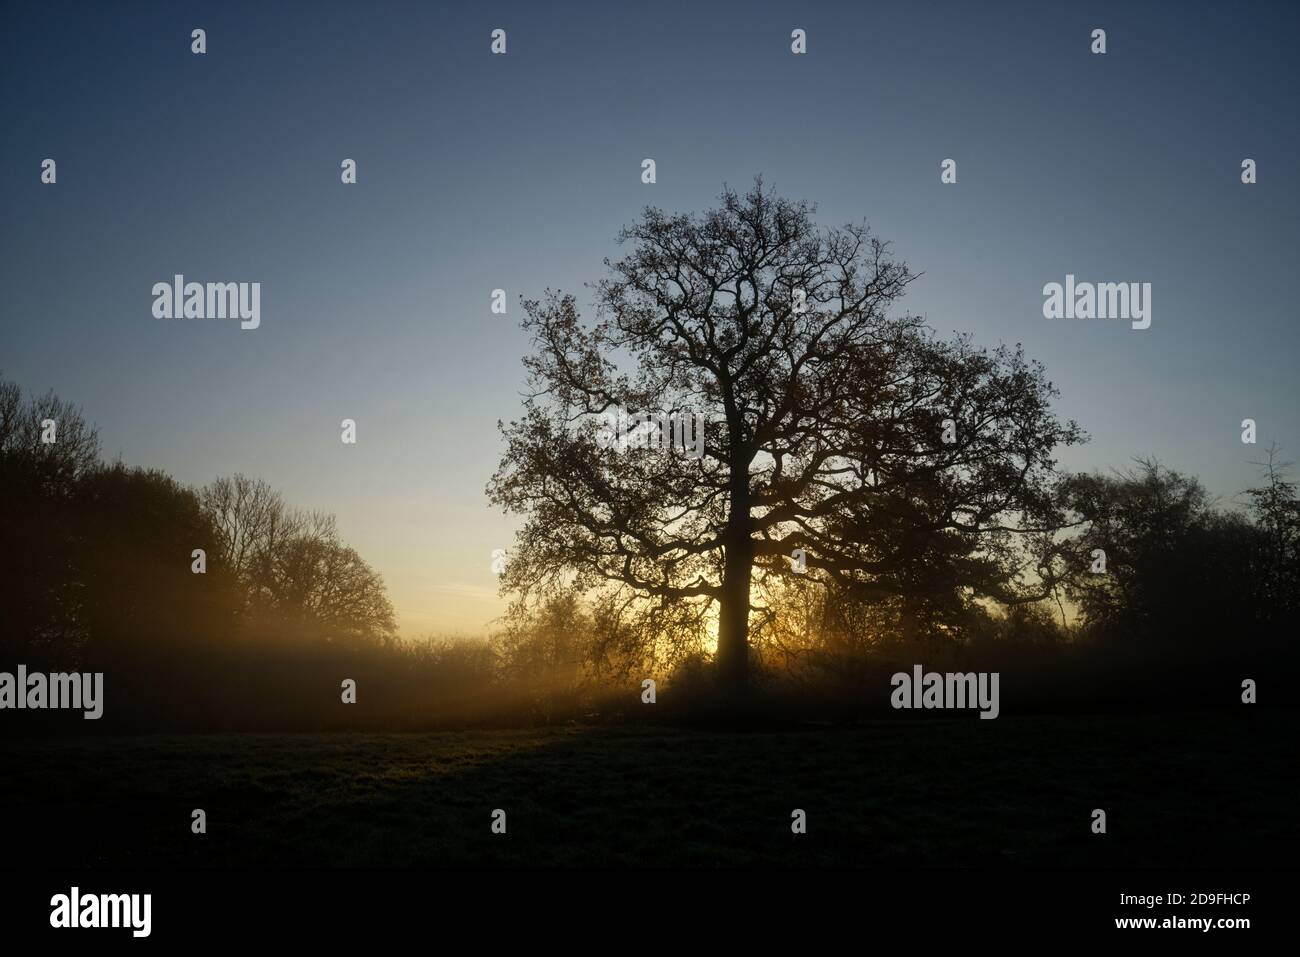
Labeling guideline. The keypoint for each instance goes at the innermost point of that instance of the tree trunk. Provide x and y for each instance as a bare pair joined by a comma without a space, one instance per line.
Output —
738,564
733,618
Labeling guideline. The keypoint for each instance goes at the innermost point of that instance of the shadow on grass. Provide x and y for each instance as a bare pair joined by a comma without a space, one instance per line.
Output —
1186,789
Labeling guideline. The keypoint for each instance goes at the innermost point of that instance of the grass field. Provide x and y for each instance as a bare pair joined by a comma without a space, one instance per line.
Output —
1178,789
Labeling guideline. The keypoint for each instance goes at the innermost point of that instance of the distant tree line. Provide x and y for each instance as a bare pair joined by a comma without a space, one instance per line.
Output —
1154,578
100,556
98,574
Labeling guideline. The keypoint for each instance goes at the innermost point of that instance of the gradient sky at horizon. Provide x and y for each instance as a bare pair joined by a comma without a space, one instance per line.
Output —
480,171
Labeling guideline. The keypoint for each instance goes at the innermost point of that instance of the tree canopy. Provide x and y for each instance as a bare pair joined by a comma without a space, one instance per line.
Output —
897,463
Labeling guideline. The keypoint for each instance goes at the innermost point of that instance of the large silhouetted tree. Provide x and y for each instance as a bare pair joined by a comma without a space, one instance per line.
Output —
826,429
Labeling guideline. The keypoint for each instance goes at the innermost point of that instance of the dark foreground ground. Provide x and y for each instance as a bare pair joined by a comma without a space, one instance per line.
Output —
1178,789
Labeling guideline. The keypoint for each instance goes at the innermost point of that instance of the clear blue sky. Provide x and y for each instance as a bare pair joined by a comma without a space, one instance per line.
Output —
479,171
